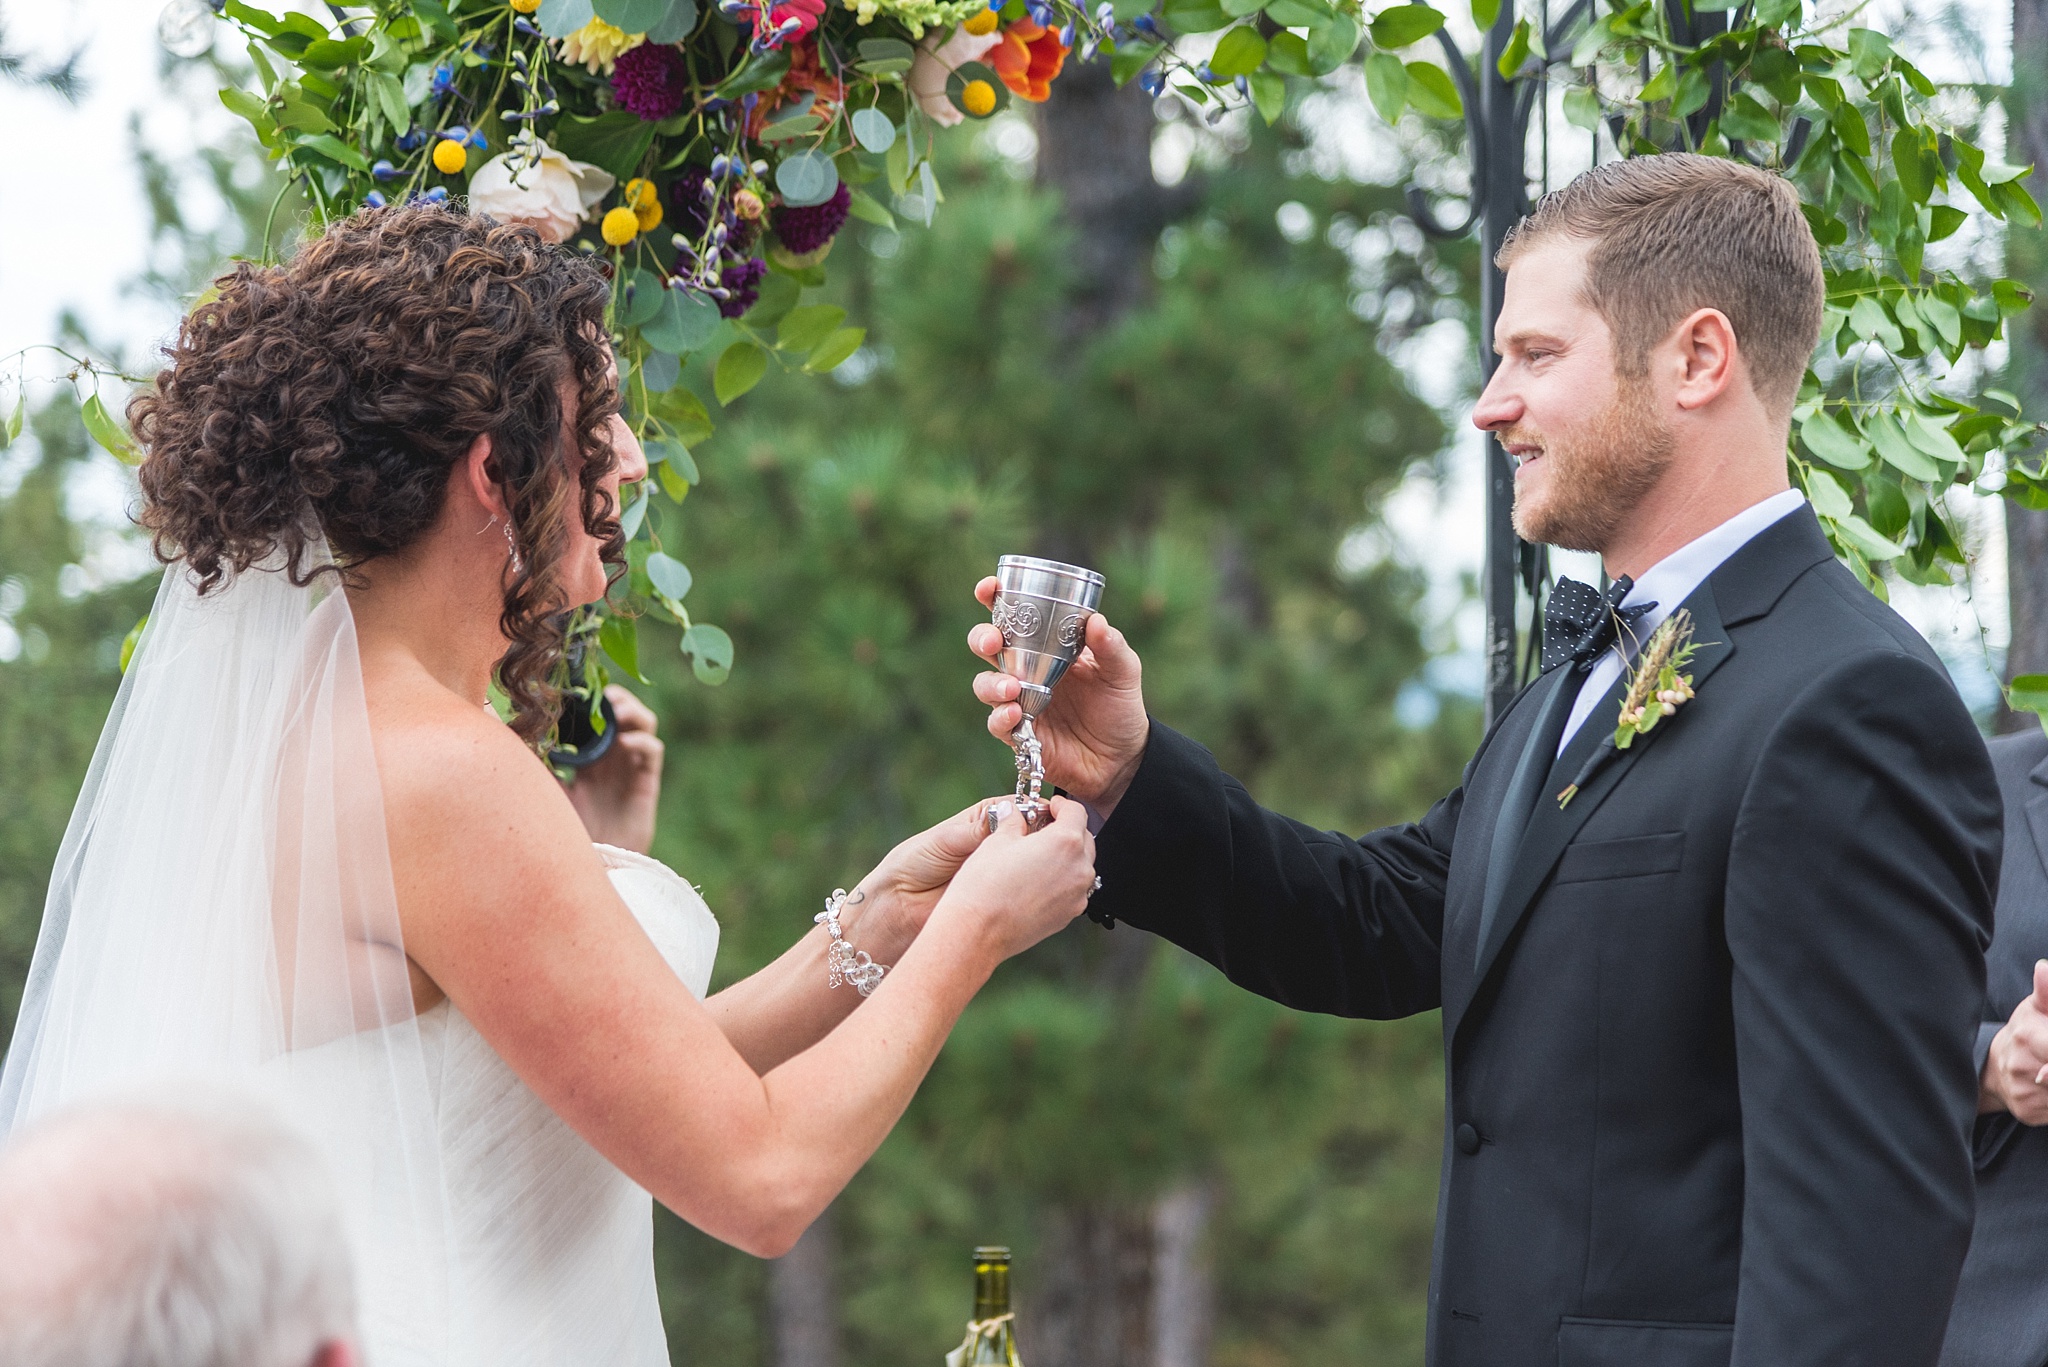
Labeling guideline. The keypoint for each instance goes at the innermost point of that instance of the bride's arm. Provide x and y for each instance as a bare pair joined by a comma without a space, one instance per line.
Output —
507,909
786,1007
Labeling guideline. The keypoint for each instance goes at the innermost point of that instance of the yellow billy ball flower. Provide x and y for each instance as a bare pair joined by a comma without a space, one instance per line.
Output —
450,156
645,202
525,6
620,226
978,97
982,24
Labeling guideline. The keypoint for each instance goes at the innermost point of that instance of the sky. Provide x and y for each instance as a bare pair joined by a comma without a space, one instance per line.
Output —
74,226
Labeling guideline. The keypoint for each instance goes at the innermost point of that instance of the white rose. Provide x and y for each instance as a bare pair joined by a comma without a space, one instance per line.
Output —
937,61
550,194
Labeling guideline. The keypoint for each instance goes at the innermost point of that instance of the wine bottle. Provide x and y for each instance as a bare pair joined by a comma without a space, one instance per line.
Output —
991,1335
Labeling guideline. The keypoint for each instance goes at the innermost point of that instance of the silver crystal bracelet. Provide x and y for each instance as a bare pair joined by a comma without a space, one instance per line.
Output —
844,963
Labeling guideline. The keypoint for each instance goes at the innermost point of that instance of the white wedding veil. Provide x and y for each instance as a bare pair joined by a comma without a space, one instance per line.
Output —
222,913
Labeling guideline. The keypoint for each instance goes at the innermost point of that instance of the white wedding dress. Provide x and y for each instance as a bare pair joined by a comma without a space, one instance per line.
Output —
222,914
549,1247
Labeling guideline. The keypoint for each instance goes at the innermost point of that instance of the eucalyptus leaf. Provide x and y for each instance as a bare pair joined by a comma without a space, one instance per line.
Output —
659,371
710,651
873,130
560,18
635,516
686,321
805,178
641,297
677,24
671,577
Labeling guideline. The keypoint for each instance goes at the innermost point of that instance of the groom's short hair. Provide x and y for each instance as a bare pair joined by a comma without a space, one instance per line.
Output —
1677,232
187,1231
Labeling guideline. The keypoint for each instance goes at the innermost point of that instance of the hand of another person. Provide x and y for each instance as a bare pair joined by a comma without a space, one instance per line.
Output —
2016,1069
1093,733
1022,885
618,795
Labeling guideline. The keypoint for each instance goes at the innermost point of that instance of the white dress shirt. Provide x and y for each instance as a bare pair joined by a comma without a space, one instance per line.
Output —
1668,583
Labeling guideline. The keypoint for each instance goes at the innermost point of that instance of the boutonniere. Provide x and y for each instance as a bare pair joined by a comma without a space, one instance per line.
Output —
1657,687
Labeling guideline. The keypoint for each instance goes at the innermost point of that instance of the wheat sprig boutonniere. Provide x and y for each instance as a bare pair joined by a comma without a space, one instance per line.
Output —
1657,687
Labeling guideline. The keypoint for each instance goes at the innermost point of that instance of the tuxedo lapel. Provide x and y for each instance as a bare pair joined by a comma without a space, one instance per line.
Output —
1553,825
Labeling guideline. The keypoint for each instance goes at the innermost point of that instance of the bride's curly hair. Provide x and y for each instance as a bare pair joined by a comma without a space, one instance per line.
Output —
331,397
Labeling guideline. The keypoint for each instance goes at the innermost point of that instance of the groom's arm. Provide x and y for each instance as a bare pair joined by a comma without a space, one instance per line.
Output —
1861,877
1316,920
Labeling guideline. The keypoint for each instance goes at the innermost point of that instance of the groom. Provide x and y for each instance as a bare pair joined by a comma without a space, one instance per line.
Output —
1708,1023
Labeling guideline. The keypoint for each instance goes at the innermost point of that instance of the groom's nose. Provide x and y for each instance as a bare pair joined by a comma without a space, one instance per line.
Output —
1499,405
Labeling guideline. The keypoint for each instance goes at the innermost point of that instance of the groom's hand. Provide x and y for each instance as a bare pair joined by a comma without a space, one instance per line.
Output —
1093,733
2016,1069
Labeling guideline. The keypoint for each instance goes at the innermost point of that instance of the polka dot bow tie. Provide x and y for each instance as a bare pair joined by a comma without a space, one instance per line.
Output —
1579,622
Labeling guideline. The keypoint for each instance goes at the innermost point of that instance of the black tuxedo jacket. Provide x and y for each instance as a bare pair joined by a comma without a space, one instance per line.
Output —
2001,1310
1709,1079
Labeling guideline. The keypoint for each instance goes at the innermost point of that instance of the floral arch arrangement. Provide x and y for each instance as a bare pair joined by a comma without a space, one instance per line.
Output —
708,156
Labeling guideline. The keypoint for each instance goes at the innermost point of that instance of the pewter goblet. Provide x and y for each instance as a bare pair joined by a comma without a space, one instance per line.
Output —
1042,608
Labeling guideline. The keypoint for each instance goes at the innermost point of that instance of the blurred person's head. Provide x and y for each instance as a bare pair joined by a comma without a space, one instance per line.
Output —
154,1234
1658,316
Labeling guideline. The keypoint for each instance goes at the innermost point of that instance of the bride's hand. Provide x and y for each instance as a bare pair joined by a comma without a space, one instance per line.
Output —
617,796
1022,885
893,902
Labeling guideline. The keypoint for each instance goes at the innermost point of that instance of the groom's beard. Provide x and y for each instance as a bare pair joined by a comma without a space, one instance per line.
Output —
1597,474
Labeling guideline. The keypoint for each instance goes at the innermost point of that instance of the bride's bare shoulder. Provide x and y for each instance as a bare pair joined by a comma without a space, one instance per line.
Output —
453,769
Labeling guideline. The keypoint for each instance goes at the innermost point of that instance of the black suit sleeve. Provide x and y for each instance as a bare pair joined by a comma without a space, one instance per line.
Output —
1312,919
1860,884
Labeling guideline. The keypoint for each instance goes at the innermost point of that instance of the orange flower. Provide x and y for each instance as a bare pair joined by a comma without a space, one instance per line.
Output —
1028,58
806,72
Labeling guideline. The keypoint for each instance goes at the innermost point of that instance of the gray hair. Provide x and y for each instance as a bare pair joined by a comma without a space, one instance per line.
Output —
158,1234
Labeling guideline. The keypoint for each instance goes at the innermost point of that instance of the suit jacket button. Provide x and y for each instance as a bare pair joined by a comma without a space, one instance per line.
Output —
1467,1139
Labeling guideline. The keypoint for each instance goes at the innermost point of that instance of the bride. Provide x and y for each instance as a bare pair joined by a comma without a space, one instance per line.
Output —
308,860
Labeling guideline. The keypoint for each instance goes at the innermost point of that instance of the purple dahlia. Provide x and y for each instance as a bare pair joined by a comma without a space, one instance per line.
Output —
805,230
742,285
651,81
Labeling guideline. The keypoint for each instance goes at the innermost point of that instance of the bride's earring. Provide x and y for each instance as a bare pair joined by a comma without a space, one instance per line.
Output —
512,544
